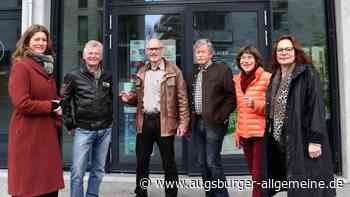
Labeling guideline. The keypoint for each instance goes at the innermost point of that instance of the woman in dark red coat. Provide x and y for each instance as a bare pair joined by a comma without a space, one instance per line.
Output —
34,161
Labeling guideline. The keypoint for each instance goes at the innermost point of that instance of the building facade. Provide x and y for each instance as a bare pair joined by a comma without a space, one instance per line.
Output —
124,25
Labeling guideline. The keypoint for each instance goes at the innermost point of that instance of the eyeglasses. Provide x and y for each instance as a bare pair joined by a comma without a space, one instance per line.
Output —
154,49
286,49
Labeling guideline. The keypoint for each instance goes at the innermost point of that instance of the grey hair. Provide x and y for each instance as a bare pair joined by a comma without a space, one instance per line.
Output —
202,42
93,44
153,38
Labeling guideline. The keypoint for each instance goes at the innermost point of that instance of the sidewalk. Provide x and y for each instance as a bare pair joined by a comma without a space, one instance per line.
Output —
122,185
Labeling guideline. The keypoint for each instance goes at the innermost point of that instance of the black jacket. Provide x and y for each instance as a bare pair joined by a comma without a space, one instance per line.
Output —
218,95
305,124
87,103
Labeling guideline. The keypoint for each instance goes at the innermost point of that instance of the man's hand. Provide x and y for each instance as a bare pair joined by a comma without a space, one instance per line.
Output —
71,132
181,131
126,96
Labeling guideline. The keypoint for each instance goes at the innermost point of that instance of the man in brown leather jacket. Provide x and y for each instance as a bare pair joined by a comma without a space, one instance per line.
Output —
162,112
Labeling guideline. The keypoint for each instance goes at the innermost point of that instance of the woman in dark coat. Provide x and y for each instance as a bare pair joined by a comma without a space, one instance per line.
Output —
34,161
297,145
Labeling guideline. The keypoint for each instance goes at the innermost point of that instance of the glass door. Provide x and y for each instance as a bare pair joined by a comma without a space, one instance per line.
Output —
230,27
133,29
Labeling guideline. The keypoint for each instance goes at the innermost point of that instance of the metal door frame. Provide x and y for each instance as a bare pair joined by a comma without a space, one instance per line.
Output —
233,165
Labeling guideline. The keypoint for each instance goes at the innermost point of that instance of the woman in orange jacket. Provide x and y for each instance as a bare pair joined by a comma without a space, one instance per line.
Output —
250,86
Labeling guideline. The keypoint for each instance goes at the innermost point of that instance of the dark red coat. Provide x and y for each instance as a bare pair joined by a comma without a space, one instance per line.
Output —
34,160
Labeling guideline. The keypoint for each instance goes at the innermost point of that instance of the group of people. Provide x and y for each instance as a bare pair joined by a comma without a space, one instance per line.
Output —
280,117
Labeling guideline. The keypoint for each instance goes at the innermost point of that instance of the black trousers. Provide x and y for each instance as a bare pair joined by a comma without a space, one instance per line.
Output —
52,194
144,147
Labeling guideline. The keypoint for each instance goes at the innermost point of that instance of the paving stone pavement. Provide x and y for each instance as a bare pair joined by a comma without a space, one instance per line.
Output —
122,185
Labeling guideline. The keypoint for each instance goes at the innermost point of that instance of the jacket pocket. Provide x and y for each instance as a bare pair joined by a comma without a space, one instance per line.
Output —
171,97
171,124
219,117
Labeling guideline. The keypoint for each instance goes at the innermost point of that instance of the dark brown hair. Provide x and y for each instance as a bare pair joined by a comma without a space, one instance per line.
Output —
300,55
22,45
249,50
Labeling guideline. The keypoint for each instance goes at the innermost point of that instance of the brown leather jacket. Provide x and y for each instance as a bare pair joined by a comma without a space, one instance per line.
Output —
174,109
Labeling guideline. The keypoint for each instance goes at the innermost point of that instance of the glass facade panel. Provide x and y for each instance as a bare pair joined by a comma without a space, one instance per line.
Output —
228,31
10,20
83,34
83,4
307,22
133,31
100,3
10,4
76,32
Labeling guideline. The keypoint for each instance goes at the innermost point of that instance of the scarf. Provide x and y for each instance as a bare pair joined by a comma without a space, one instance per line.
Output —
97,74
247,78
280,90
46,60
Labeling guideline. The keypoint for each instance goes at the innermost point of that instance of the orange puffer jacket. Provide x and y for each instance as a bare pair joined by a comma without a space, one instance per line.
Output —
251,121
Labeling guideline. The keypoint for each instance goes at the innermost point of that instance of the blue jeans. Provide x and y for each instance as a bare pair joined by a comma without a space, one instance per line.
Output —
85,141
208,139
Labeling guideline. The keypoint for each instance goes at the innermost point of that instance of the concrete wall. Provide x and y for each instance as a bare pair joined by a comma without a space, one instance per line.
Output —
35,12
343,30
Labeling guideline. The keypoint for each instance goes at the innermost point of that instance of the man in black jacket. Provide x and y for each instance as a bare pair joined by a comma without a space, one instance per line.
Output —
88,114
213,99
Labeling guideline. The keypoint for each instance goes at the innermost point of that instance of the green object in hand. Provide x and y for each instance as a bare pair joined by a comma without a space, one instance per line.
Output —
232,123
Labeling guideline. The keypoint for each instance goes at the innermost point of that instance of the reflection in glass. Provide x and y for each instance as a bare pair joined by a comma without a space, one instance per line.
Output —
83,3
100,3
8,39
10,4
83,29
134,31
228,31
11,21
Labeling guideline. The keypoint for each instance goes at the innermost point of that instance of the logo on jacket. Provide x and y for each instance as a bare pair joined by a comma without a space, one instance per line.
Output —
106,84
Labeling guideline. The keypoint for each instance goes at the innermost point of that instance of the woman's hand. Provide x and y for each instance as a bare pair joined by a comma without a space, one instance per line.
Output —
249,101
237,143
56,107
315,150
59,111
